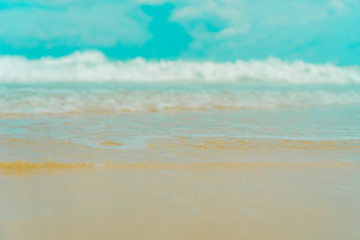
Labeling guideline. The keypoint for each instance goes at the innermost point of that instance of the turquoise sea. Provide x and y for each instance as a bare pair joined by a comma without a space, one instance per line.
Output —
136,101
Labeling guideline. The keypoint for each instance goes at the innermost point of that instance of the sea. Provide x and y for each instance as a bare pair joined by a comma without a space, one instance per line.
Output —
88,99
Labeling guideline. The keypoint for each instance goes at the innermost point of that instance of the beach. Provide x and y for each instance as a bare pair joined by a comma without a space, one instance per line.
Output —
189,186
180,200
178,150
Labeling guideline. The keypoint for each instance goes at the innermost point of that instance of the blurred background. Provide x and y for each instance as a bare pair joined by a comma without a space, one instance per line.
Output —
319,31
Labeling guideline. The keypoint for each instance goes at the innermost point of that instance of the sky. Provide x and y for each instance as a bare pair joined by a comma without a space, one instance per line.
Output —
321,31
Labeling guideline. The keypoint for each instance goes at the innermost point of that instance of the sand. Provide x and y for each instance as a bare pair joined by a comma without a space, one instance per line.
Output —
173,203
86,193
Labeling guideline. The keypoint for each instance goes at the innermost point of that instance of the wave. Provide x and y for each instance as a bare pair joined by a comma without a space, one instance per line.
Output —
93,66
47,101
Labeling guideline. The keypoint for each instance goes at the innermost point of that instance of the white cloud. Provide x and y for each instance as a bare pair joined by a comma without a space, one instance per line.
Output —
233,32
57,3
95,25
344,6
337,4
216,26
211,22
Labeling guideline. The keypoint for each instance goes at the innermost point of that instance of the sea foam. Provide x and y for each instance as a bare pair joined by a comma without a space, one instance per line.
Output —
93,66
45,100
86,82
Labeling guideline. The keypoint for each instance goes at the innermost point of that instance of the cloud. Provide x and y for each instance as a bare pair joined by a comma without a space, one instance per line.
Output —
232,32
218,29
97,25
342,7
55,3
337,4
245,28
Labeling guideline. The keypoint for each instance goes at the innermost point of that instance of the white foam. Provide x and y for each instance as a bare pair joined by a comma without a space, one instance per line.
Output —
93,66
45,101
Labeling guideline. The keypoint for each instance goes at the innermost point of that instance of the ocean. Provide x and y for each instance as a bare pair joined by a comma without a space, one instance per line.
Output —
86,99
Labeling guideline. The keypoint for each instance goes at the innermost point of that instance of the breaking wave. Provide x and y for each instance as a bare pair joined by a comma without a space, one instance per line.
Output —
57,85
93,66
47,101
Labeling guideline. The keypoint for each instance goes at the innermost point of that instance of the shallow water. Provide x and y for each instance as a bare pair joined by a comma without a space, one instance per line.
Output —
137,130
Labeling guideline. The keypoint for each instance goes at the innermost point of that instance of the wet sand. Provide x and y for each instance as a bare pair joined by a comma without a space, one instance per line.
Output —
181,150
201,203
87,193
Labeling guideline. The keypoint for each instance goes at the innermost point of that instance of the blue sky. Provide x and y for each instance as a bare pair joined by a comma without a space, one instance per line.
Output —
222,30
